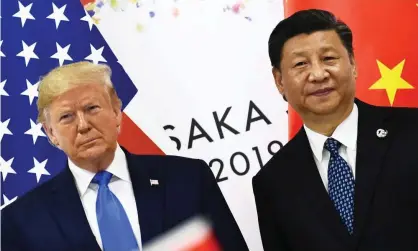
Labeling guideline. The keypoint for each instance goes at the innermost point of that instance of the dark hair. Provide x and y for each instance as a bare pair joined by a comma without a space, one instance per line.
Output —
306,22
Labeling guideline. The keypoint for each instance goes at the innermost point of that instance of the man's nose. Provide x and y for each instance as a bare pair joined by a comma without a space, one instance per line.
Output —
83,125
318,72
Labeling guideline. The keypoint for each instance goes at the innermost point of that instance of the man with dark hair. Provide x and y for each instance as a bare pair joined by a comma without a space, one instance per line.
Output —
348,180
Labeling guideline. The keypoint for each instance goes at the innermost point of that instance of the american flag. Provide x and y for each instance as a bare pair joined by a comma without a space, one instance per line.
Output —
37,36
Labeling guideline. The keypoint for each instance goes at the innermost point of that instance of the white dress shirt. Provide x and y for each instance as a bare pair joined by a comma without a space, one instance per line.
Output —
120,185
346,134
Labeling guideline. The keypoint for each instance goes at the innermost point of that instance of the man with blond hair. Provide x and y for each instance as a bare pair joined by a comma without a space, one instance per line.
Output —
107,198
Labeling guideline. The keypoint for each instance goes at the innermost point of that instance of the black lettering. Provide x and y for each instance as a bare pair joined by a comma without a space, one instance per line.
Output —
176,140
271,145
260,116
257,152
247,163
221,123
221,168
203,133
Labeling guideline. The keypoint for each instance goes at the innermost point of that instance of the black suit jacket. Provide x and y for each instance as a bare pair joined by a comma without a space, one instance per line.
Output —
294,209
52,218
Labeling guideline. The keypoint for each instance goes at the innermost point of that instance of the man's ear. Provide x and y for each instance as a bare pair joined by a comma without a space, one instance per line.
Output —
118,113
355,73
354,68
278,80
50,133
117,108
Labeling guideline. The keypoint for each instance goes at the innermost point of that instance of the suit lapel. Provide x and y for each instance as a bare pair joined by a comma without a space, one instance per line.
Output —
67,210
370,158
149,199
313,191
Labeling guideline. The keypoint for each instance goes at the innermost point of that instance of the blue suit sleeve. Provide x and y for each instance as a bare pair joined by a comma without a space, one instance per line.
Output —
9,233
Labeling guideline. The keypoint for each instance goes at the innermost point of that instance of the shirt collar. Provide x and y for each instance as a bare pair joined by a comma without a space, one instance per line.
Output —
118,167
345,133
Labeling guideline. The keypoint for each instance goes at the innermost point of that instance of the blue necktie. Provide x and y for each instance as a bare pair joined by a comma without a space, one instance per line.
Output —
115,230
340,184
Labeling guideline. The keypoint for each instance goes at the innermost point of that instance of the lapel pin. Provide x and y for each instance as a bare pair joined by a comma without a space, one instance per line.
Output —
381,133
154,182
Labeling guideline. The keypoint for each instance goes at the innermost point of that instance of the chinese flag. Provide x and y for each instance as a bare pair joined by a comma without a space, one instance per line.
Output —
385,48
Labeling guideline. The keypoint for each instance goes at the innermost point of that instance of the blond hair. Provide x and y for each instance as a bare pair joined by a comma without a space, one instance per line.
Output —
66,77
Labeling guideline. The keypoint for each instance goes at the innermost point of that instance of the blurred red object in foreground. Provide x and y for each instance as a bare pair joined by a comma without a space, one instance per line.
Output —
195,234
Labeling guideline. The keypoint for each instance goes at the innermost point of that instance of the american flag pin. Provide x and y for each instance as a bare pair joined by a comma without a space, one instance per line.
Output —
154,182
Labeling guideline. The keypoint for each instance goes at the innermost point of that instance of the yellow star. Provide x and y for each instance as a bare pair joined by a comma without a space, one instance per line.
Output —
390,80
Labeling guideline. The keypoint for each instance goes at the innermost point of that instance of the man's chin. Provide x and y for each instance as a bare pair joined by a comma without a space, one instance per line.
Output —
93,153
324,108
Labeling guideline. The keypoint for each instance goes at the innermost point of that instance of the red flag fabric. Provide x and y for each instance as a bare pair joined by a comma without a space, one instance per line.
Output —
135,140
385,48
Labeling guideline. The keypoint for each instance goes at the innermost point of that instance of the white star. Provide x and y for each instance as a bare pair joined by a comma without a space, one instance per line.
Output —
4,130
1,53
2,91
27,52
35,131
31,91
88,19
6,167
39,169
24,13
96,55
58,14
62,54
7,202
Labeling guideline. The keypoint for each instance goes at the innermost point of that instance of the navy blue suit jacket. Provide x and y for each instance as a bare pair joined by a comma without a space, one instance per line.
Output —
51,217
294,209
